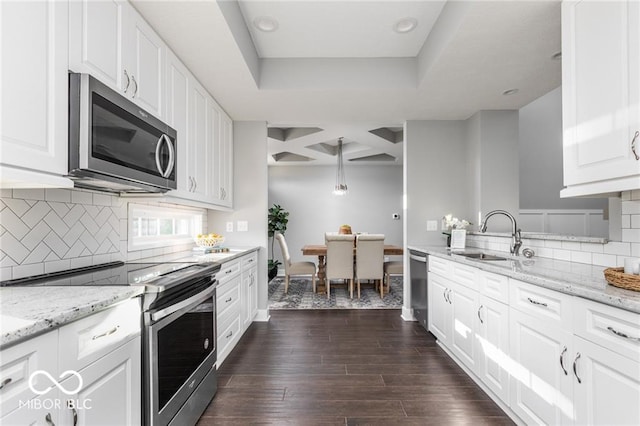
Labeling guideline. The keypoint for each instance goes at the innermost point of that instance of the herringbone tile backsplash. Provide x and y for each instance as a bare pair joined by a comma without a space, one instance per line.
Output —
55,229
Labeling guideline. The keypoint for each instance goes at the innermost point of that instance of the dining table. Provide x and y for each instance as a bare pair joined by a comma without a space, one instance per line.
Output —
320,250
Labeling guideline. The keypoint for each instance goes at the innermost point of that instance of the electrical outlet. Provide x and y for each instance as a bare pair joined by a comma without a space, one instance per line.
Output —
229,226
242,226
432,225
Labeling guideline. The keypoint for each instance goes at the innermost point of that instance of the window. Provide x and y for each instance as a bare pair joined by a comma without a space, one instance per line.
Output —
155,226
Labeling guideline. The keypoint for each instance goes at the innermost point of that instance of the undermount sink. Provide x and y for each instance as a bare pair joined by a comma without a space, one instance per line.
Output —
482,256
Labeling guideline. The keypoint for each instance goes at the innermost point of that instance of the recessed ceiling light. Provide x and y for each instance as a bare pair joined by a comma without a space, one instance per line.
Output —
266,24
405,25
556,56
510,92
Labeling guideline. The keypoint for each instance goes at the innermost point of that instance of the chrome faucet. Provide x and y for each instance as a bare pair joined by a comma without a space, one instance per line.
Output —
516,240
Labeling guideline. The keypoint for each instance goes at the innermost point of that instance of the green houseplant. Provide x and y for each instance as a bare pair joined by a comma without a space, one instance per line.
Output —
277,222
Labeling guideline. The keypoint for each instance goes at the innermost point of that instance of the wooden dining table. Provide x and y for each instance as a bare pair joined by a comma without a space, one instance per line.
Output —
320,250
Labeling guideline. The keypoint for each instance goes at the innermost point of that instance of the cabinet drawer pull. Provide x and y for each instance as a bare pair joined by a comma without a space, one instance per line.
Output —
5,382
479,317
618,333
449,296
228,300
564,351
575,367
106,333
135,92
230,334
229,271
47,418
444,294
126,74
633,144
535,302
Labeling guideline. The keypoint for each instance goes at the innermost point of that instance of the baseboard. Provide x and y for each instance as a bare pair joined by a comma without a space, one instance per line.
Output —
407,314
262,315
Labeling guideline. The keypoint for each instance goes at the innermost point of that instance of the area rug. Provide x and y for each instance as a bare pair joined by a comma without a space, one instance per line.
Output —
301,296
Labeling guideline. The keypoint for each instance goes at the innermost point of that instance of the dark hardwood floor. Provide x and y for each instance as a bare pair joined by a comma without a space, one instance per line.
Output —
355,367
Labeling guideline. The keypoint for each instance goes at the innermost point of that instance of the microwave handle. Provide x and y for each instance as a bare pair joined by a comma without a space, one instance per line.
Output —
172,155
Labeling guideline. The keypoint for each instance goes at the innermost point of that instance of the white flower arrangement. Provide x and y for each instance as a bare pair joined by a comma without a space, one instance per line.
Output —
454,223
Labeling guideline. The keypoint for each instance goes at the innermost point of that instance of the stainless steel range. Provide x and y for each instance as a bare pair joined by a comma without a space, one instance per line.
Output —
179,314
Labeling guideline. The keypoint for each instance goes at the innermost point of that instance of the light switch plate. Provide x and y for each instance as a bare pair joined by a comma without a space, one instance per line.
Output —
432,225
242,226
229,226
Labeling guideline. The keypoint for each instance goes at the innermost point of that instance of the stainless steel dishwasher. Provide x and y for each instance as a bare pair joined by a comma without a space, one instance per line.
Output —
418,271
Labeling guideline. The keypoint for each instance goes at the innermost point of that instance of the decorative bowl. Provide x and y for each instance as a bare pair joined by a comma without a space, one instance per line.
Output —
206,241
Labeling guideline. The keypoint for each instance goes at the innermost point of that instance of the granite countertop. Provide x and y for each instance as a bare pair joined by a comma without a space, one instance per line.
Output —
28,311
572,278
228,256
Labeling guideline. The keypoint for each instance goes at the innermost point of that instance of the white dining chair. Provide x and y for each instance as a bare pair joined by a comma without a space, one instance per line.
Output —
294,268
370,260
339,263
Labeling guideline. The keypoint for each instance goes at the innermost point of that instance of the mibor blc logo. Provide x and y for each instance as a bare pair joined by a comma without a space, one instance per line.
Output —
62,376
40,387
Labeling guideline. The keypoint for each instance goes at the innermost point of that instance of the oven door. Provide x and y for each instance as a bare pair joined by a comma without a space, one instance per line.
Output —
180,350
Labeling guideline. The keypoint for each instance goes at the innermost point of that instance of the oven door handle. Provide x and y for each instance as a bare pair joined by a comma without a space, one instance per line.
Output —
195,299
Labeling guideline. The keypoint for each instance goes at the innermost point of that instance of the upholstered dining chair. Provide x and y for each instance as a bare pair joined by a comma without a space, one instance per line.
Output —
294,268
339,263
369,259
393,267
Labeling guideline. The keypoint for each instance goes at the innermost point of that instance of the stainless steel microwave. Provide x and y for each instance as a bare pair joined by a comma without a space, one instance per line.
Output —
114,145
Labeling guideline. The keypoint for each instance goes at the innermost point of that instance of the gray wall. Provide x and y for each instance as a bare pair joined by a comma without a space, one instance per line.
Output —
249,198
437,183
375,193
541,157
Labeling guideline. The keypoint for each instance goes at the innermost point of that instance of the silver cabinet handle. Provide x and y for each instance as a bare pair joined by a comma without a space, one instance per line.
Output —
228,300
135,92
106,333
229,271
126,74
47,418
444,294
535,302
633,144
618,333
575,367
229,335
195,184
74,412
449,295
564,351
190,189
479,317
5,382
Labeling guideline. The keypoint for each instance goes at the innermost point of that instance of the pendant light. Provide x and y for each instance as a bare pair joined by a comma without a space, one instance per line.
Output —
341,183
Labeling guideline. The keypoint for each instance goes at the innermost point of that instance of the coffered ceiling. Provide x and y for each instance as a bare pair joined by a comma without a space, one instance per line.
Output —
340,66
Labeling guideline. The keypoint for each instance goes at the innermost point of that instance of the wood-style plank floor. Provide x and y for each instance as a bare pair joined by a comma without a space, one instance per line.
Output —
355,367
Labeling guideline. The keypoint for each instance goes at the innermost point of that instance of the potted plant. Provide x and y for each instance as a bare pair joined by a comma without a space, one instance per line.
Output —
277,222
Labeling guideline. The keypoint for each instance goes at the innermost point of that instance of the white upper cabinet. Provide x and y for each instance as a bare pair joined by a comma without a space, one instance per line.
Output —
111,41
601,95
33,118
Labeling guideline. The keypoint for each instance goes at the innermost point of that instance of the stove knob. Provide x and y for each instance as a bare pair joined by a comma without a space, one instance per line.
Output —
206,343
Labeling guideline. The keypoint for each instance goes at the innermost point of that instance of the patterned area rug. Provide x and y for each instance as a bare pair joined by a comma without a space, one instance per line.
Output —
301,296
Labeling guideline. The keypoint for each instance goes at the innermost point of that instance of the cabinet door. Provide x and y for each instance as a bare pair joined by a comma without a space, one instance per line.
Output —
198,146
464,306
96,41
253,294
250,296
600,90
493,346
609,389
226,160
39,411
540,390
145,58
439,311
178,90
111,392
34,82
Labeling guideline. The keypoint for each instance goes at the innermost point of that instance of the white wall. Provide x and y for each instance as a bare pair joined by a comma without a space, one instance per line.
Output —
375,193
437,184
249,199
540,150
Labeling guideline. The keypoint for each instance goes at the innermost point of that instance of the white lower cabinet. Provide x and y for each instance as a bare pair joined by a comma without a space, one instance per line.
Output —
98,360
236,302
549,357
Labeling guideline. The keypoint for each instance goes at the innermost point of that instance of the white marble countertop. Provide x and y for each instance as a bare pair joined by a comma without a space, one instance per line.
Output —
28,311
544,236
228,256
577,279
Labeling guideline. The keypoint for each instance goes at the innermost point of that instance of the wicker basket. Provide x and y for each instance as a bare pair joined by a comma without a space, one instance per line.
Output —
617,277
206,241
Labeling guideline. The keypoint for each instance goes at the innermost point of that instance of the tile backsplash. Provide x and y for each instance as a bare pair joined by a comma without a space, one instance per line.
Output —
48,230
609,254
